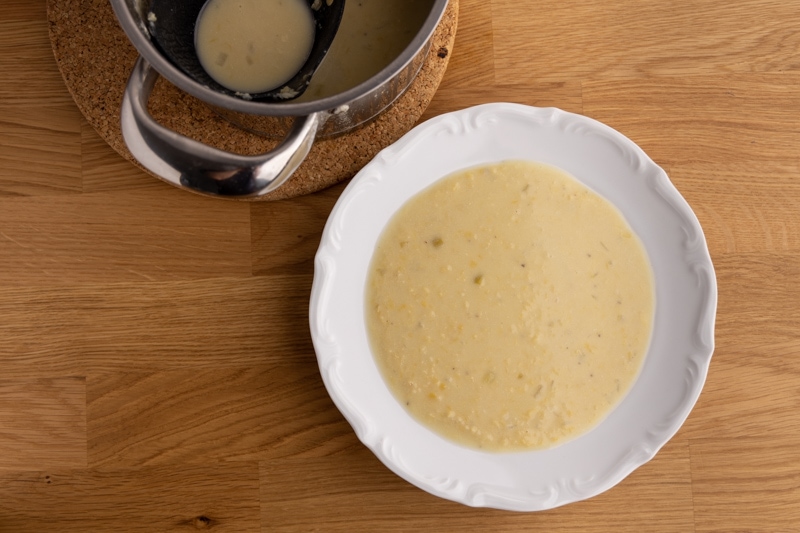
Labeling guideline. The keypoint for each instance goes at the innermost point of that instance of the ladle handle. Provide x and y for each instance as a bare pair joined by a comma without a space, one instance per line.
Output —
201,168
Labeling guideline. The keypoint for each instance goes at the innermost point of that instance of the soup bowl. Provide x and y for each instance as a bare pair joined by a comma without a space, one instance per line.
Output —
677,359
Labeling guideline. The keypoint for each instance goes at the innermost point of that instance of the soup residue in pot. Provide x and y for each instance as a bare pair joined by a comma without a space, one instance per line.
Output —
371,35
253,46
509,307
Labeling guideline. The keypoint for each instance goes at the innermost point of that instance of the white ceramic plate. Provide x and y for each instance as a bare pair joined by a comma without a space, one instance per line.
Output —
681,346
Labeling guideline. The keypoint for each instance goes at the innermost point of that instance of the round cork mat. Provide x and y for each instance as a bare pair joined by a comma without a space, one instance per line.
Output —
95,58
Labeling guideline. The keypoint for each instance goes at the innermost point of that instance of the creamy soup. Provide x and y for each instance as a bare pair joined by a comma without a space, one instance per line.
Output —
252,46
509,307
372,34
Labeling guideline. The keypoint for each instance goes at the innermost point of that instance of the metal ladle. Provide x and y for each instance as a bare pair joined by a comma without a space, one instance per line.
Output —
171,25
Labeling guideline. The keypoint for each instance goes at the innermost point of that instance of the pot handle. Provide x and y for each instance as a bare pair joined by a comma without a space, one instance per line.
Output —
201,168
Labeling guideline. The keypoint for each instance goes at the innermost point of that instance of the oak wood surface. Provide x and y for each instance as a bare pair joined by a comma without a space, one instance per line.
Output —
156,368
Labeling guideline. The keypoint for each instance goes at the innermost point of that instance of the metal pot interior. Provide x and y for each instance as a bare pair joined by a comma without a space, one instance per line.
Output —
172,28
378,86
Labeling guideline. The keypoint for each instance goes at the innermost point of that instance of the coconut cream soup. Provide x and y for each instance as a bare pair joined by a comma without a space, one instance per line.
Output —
509,307
253,46
371,35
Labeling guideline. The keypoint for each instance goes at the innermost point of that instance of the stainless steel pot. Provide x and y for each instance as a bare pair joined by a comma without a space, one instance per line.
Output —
192,165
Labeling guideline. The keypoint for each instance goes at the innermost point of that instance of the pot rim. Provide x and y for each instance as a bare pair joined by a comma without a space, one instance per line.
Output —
140,39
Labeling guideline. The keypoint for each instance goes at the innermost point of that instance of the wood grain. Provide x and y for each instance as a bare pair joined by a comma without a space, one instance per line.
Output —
43,422
472,62
587,39
144,234
387,503
703,118
85,328
156,367
746,282
290,252
275,411
756,211
39,149
217,497
564,95
102,171
746,484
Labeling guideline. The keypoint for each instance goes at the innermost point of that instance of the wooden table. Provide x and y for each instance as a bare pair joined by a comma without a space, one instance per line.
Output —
156,368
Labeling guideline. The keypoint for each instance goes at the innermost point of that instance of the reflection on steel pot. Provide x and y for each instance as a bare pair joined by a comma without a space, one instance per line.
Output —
347,91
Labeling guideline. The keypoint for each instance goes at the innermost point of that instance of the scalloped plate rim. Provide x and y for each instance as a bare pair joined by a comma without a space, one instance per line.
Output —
466,125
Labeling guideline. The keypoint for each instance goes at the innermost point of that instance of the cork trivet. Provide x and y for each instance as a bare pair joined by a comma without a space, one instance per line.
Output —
95,58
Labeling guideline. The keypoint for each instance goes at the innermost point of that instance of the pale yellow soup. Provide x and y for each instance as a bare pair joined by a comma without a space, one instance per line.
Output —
252,46
371,35
509,307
